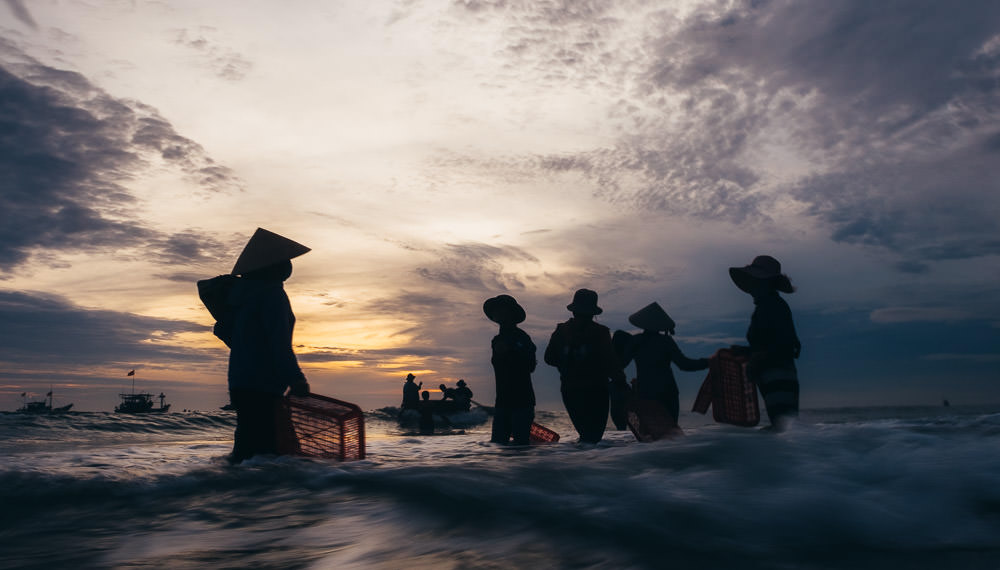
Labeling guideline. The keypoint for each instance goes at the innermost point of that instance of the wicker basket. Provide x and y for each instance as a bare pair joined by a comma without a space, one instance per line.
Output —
727,390
318,426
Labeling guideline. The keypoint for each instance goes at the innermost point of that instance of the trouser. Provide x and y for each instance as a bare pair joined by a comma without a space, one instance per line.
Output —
781,398
256,423
512,422
587,407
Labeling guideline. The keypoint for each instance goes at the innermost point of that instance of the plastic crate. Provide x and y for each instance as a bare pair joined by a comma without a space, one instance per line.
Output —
540,434
727,390
319,426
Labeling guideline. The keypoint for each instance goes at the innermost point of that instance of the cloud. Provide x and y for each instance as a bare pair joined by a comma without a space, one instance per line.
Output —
477,266
42,329
67,155
918,314
224,62
882,119
21,13
976,358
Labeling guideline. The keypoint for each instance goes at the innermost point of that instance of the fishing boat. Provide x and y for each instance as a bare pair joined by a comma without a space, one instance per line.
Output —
140,403
42,407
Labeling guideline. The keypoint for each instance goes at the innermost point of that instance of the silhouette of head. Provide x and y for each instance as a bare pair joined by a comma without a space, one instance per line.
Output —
442,387
763,273
461,382
276,272
585,303
425,395
504,310
265,249
652,317
410,377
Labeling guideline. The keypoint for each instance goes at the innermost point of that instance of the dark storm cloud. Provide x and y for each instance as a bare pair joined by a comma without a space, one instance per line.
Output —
46,329
476,266
21,13
894,105
67,153
224,62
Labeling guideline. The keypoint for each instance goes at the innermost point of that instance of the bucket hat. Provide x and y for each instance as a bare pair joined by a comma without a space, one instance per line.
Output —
503,309
585,302
652,317
762,268
264,249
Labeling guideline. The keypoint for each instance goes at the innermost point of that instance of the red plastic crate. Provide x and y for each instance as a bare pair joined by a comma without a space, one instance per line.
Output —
319,426
727,390
541,434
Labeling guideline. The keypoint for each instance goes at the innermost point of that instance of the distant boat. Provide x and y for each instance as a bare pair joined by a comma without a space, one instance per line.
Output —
43,407
141,403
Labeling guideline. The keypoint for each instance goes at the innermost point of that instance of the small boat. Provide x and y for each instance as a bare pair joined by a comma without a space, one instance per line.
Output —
42,407
140,403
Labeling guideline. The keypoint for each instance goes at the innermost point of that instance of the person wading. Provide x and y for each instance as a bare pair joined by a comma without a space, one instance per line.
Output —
581,349
774,345
654,350
262,364
513,362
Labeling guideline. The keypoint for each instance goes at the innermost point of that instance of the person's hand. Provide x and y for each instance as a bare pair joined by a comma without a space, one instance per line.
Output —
299,389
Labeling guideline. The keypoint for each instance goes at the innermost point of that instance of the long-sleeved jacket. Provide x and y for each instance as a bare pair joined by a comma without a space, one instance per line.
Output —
774,346
582,351
261,356
513,362
653,354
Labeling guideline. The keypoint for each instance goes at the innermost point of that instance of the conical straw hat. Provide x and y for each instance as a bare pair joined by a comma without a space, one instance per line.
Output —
652,317
266,248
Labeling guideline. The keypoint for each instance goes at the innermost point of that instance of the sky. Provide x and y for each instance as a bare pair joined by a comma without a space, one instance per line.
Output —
437,153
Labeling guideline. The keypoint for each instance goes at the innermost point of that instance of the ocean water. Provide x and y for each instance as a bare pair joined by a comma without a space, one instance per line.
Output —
846,488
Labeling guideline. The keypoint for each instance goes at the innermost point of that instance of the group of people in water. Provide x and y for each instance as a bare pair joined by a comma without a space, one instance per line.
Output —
254,318
591,360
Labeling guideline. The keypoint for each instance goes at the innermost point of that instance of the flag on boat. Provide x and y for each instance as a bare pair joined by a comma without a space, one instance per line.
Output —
50,393
131,373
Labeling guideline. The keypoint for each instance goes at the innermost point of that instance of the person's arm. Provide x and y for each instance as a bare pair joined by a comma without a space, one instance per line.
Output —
683,362
553,352
612,367
277,320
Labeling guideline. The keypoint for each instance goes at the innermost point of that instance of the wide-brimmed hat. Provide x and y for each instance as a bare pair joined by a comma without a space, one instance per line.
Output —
264,249
410,377
503,309
652,317
585,302
762,268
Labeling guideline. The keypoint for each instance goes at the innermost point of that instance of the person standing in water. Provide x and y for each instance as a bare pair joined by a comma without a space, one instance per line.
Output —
513,362
581,349
774,345
411,393
654,350
262,364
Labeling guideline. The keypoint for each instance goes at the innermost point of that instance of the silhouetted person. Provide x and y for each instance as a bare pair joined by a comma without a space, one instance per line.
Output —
774,346
448,393
463,395
581,349
411,392
513,362
654,350
426,408
262,364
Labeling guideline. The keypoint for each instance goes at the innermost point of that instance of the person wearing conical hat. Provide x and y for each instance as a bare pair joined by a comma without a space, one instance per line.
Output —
262,363
774,344
581,349
653,351
514,359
